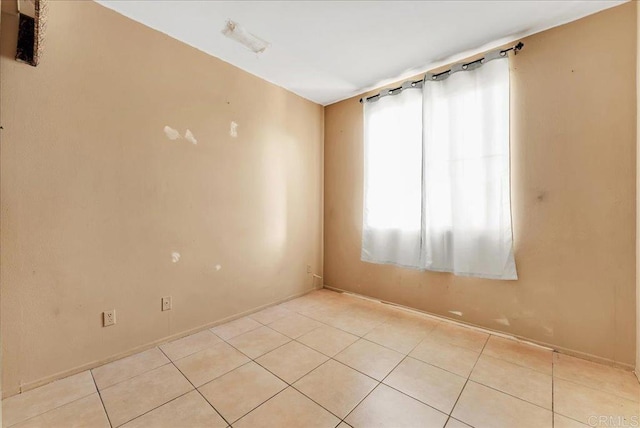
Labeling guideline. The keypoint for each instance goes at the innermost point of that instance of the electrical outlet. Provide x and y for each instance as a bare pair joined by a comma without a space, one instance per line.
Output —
308,268
166,303
108,318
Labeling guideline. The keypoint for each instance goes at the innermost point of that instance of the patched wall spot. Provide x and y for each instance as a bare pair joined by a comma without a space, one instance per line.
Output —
171,133
189,137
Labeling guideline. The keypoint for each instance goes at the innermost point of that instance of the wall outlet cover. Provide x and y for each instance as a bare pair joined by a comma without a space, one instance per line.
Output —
108,318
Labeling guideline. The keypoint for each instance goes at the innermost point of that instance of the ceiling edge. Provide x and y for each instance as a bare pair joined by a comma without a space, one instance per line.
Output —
466,54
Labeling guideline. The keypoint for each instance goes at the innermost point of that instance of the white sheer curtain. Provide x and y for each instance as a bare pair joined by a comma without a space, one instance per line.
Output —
467,204
393,179
437,182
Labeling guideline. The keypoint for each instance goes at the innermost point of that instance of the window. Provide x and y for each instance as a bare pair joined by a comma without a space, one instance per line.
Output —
437,190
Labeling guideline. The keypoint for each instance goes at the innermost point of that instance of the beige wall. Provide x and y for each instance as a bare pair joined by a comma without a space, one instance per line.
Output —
573,186
95,197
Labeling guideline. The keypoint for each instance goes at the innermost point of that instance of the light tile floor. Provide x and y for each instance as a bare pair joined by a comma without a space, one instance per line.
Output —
332,360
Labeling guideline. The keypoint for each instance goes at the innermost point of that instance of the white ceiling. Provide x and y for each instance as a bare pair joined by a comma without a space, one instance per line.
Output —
327,51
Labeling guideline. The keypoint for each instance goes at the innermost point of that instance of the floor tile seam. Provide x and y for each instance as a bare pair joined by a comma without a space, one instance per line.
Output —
132,377
637,402
151,410
196,388
467,381
58,407
104,407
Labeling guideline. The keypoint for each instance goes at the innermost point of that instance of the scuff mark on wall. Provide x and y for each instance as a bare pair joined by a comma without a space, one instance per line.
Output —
175,257
171,133
189,137
233,129
218,267
503,321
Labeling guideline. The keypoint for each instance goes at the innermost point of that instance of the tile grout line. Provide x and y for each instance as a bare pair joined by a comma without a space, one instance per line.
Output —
349,367
239,334
380,382
363,336
587,387
194,387
329,358
395,350
289,385
360,402
433,365
224,374
510,395
254,360
101,400
492,356
416,399
582,385
409,356
522,399
314,401
131,377
300,335
250,357
284,380
98,391
157,407
518,364
259,405
467,381
52,409
570,418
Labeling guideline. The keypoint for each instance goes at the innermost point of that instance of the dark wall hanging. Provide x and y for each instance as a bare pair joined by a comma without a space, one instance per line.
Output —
32,25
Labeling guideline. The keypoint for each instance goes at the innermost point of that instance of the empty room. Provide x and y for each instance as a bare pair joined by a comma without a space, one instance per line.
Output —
325,214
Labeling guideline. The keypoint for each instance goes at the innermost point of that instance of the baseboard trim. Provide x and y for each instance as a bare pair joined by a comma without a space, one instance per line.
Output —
61,375
555,348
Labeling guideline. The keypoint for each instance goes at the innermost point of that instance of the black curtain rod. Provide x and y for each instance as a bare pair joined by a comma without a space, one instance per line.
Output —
443,75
